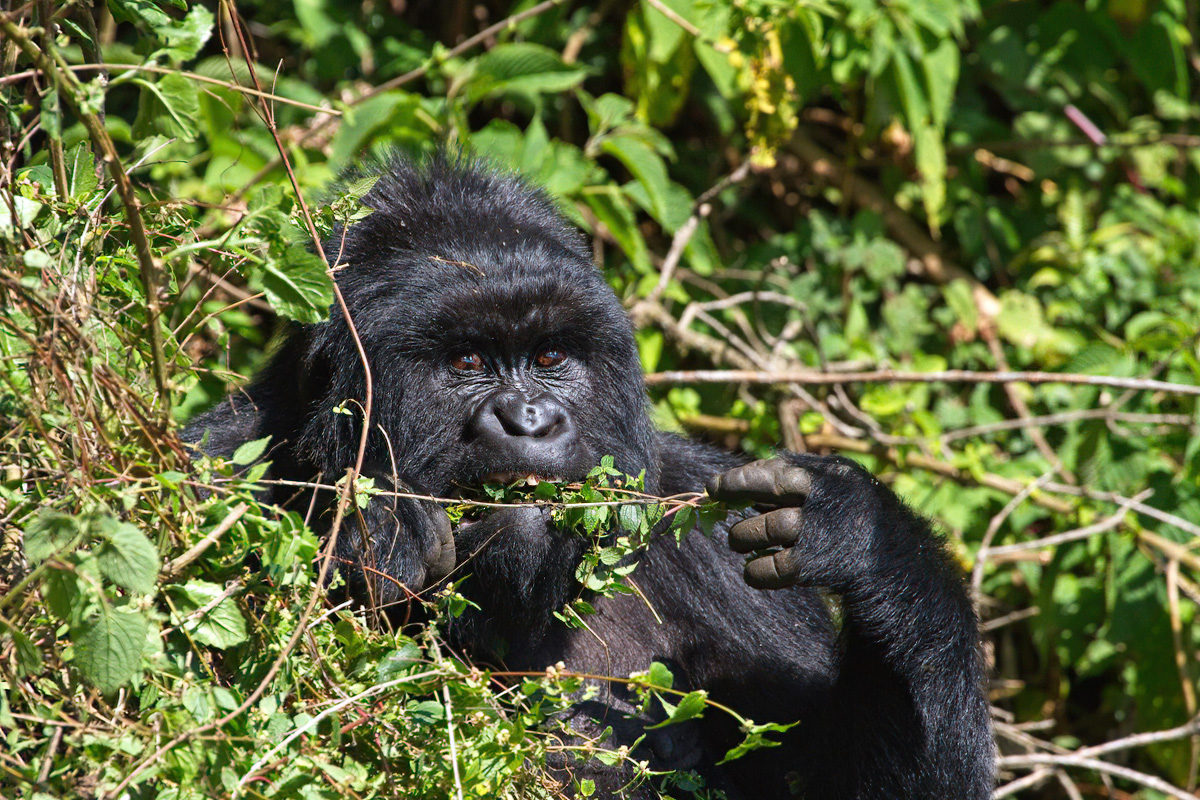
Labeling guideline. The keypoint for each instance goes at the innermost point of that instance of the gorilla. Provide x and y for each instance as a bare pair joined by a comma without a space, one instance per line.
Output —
497,352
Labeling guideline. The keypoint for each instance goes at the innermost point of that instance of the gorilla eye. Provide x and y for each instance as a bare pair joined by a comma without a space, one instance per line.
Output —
550,357
467,362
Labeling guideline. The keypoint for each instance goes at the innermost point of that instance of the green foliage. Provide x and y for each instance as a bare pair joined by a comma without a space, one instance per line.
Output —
931,186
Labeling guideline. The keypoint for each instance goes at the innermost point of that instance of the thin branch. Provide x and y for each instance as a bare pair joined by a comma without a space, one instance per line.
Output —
1028,782
174,567
1142,739
679,243
1141,508
193,76
1017,401
1075,761
461,47
994,527
436,650
814,377
1103,526
1067,417
967,477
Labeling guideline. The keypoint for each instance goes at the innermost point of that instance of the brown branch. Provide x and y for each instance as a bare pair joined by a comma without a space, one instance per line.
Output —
700,210
815,377
176,566
193,76
464,45
1047,759
944,468
1103,526
1067,417
1012,392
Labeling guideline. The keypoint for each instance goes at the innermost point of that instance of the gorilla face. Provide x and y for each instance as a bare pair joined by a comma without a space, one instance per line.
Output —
498,351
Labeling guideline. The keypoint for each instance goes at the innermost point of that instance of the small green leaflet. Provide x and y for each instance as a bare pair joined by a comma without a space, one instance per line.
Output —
220,626
692,705
126,556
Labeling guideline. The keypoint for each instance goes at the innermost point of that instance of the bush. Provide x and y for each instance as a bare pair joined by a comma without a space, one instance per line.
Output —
958,241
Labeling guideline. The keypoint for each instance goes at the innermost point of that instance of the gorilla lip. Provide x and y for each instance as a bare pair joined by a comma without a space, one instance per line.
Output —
527,478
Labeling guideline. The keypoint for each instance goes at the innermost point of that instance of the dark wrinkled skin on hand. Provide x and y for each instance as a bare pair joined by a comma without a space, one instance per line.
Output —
798,538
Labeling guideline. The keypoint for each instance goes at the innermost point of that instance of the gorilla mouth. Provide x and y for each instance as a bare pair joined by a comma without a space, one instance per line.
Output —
513,479
508,478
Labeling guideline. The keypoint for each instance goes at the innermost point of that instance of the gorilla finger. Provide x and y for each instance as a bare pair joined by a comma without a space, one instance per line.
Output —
776,571
442,563
774,529
769,481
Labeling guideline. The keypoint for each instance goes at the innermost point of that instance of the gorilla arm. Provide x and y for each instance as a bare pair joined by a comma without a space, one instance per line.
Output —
906,717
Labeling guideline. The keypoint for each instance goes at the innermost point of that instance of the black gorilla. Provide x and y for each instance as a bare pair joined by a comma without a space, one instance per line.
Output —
497,350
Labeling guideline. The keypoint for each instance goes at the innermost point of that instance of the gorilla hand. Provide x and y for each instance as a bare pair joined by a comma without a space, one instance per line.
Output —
820,516
410,542
435,539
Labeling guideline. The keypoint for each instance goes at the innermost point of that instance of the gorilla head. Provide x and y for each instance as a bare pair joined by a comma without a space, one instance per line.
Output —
498,352
496,347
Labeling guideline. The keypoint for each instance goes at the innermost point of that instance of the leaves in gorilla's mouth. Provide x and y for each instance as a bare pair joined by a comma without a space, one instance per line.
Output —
519,479
504,487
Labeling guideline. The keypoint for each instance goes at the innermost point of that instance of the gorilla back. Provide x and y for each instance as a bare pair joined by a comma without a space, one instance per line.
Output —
498,351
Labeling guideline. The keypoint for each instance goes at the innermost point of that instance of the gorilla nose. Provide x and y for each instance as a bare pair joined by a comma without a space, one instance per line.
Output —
525,432
540,417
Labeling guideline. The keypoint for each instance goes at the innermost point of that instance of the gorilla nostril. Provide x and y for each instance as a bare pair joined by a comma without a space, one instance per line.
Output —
537,418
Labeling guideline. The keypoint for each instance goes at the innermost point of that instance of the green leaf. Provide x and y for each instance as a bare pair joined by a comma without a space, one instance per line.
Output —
755,739
250,452
522,68
25,212
145,11
51,114
691,706
958,296
170,107
683,521
941,76
127,557
426,712
64,594
612,210
221,625
49,532
81,171
647,168
665,33
298,288
108,646
187,37
29,658
930,154
396,662
629,516
659,677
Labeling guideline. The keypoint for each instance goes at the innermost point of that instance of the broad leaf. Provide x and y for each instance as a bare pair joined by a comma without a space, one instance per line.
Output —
108,646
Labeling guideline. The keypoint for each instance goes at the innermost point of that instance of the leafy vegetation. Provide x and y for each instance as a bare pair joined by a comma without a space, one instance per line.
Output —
957,240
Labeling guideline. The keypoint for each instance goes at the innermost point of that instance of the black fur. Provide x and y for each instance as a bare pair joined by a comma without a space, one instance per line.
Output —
461,259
